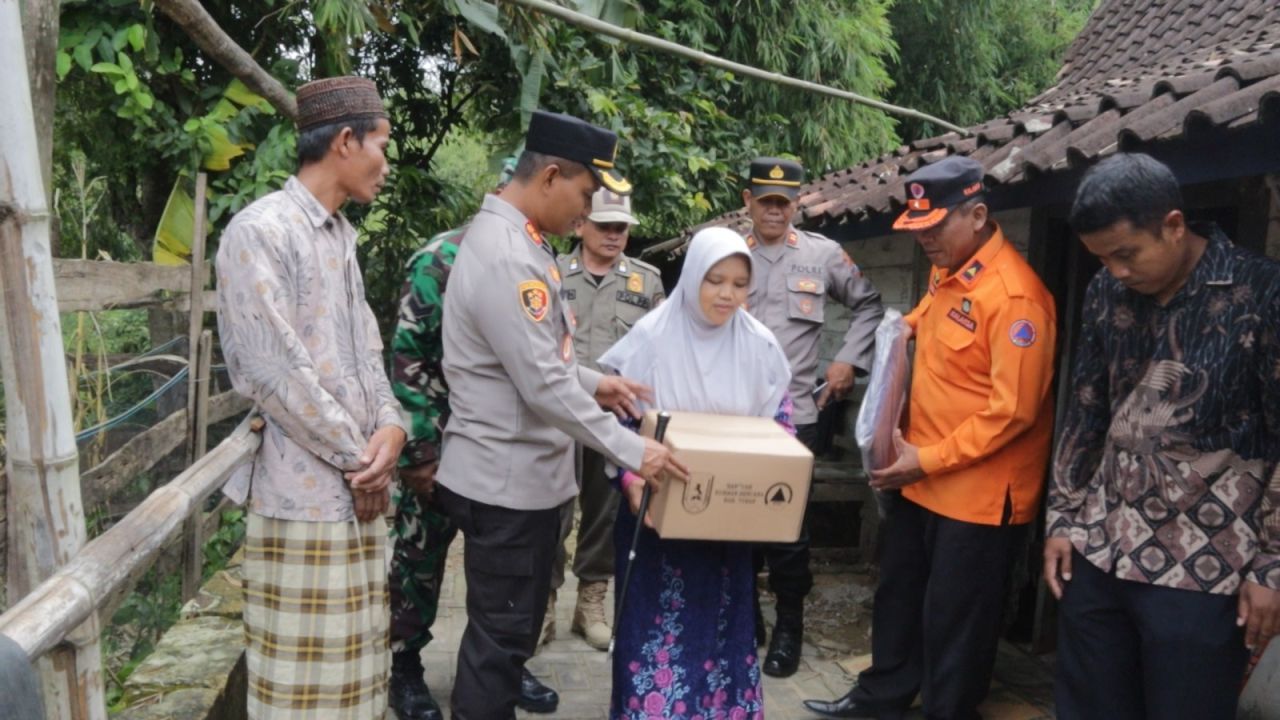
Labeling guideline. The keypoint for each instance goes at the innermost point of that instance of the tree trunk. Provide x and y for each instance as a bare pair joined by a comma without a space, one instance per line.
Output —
40,29
45,515
196,22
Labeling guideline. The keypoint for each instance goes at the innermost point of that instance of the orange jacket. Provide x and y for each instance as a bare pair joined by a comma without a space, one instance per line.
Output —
980,409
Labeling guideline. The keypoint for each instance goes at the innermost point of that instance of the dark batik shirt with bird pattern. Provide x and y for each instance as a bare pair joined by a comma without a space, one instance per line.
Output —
1165,471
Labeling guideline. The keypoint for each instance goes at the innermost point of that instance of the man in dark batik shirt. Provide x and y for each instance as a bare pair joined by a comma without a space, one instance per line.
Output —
1164,508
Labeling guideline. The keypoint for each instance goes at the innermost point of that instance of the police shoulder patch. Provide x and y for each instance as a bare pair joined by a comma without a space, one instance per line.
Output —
534,299
1022,333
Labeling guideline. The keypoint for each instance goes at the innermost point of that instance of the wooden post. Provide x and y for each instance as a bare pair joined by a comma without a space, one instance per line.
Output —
45,515
195,322
193,547
192,550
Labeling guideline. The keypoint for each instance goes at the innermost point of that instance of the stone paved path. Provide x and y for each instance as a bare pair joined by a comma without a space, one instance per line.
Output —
582,677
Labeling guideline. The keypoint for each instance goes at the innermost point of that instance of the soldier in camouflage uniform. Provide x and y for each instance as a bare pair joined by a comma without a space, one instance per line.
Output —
422,530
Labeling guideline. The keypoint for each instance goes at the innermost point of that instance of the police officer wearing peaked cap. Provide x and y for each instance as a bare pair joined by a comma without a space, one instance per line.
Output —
518,401
793,275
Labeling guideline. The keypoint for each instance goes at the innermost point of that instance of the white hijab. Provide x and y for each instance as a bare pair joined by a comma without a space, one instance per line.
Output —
692,365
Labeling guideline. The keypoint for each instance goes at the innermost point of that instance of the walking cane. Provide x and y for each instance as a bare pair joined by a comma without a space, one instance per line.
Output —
659,431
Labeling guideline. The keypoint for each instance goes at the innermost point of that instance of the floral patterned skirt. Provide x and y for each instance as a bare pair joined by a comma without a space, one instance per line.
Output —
686,646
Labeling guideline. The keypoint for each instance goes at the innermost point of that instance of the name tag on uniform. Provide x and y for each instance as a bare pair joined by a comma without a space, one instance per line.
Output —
963,320
568,294
632,298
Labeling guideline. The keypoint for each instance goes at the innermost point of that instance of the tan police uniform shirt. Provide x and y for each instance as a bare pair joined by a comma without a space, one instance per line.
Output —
517,396
790,283
607,311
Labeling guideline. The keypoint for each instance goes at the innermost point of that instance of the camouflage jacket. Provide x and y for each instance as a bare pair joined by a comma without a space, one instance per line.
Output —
417,379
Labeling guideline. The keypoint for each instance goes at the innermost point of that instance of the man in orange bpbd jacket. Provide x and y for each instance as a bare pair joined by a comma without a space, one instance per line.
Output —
970,467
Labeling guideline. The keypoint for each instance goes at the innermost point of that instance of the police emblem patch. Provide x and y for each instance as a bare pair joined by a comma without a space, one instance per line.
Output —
917,190
793,240
807,285
635,283
806,306
1022,333
534,299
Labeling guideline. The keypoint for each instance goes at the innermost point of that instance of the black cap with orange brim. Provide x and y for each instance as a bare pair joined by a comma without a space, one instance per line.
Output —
565,136
775,176
934,189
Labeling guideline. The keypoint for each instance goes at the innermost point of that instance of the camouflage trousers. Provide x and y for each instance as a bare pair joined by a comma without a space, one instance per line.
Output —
422,532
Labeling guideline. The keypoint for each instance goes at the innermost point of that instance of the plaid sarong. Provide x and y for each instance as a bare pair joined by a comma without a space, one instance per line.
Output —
316,619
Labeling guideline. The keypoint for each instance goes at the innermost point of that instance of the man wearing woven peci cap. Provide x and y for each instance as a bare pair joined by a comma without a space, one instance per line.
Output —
301,342
519,399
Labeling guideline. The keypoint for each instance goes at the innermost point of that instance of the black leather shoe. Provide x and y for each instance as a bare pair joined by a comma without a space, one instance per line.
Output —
783,657
408,694
536,697
846,706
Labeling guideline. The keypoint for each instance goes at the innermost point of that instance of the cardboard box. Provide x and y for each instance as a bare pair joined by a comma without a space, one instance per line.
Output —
748,479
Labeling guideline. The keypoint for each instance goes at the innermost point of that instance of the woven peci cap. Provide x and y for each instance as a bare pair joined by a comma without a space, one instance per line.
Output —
331,100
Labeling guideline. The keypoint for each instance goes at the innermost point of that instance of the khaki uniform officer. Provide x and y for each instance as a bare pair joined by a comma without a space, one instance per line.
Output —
518,400
793,275
608,292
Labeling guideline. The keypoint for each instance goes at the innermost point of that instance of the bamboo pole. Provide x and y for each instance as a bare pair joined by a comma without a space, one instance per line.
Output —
192,555
649,41
195,320
45,515
193,532
113,561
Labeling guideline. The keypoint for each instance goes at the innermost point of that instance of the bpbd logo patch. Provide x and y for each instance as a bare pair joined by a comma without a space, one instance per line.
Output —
1022,333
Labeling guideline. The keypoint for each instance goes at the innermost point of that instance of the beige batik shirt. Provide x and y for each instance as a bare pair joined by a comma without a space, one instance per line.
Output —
302,343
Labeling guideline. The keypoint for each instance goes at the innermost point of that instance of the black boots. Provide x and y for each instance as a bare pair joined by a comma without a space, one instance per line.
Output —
534,696
783,658
408,694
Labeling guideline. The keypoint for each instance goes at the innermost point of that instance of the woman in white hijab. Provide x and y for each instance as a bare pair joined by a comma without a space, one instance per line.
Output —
686,644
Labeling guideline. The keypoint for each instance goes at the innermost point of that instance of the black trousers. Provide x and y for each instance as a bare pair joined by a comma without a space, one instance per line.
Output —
790,578
507,561
1128,650
936,622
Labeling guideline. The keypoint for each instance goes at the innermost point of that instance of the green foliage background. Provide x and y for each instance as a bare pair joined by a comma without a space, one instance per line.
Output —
142,105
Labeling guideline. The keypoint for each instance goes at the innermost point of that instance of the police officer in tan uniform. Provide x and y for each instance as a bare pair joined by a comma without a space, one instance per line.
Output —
793,275
518,400
608,292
